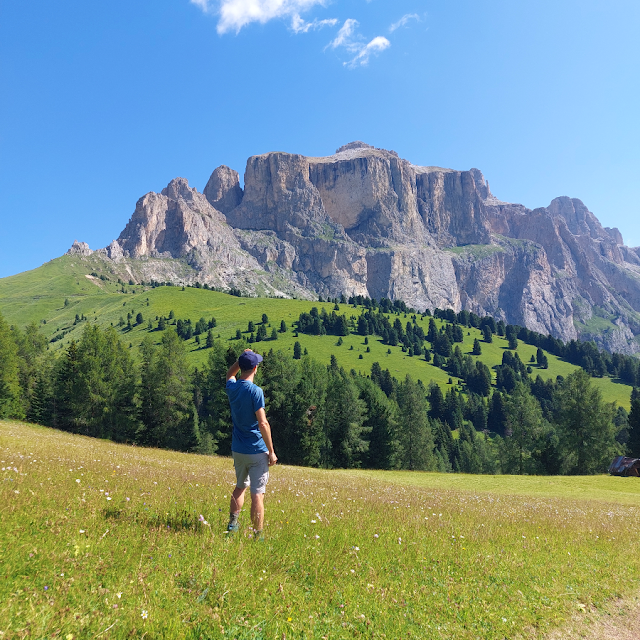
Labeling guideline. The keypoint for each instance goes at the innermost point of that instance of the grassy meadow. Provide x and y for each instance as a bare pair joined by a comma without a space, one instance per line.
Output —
110,541
39,296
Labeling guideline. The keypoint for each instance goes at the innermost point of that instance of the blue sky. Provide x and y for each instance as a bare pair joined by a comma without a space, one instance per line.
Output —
102,102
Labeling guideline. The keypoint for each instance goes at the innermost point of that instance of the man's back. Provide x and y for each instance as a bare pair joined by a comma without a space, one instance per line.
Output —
245,398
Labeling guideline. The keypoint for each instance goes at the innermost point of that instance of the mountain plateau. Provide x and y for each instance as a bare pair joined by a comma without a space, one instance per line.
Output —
364,221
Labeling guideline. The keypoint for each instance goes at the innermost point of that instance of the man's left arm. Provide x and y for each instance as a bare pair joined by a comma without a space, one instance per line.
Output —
265,430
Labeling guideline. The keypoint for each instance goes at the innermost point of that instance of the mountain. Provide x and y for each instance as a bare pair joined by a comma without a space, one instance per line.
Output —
366,222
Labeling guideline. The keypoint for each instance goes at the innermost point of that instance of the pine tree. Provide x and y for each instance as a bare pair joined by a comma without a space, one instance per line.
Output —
524,432
382,420
209,342
297,350
497,417
66,389
168,407
633,443
585,426
102,400
477,350
32,359
436,402
344,422
10,405
414,432
283,326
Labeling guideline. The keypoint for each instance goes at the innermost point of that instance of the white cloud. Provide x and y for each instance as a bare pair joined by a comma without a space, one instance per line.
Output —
402,22
300,26
344,37
353,43
379,43
235,14
203,4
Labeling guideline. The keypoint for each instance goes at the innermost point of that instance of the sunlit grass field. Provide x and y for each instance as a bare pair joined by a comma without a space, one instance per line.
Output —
40,295
105,540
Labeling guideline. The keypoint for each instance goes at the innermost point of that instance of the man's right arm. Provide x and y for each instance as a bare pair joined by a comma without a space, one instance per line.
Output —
265,430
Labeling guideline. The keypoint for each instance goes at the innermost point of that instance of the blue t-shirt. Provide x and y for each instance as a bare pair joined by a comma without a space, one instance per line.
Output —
245,399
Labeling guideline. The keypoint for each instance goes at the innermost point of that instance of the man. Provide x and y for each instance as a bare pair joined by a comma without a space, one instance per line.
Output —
251,444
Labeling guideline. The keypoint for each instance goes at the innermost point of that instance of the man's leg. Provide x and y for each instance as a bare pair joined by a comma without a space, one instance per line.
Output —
257,512
237,500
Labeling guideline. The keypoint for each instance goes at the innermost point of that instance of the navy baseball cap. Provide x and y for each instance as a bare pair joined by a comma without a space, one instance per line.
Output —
249,359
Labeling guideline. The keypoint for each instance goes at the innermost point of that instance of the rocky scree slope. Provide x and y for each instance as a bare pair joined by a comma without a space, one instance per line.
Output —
365,221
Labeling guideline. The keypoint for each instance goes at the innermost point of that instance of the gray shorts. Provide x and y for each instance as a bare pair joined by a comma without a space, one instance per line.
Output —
252,469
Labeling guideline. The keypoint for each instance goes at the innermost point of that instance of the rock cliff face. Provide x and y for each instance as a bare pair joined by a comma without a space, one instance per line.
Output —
365,221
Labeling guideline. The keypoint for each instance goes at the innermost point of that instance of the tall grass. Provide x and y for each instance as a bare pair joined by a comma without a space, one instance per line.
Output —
98,538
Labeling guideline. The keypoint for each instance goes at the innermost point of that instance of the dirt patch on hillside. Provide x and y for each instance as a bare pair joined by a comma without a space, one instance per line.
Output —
620,620
95,280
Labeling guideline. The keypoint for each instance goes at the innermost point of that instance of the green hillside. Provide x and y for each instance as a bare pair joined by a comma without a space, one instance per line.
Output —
55,293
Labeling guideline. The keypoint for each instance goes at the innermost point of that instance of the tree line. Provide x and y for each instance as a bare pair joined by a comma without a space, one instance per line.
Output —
322,415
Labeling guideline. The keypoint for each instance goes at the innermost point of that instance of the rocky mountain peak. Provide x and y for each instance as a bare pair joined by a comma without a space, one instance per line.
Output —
364,221
179,188
354,145
79,249
223,189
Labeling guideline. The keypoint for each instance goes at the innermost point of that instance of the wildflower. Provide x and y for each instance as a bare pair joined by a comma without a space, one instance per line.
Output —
356,548
46,588
119,594
288,619
399,540
144,614
504,619
69,636
78,480
108,497
81,530
317,537
128,499
375,535
313,522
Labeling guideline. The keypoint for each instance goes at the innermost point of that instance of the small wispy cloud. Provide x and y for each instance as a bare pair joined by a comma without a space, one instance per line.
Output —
378,44
407,17
345,35
353,43
299,25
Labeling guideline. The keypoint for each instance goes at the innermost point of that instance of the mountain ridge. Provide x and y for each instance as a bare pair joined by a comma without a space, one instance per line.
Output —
364,221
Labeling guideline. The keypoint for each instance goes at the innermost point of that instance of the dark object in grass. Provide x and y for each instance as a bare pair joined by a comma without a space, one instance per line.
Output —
623,466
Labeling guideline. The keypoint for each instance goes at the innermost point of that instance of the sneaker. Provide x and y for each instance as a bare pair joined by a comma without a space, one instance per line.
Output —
233,527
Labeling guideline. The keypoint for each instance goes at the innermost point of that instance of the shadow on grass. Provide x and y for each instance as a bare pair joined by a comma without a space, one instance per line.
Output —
177,521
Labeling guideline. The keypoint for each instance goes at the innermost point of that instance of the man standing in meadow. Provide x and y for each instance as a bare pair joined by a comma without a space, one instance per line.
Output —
251,444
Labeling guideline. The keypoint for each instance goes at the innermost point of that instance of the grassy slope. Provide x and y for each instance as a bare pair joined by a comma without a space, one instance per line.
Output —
39,295
347,554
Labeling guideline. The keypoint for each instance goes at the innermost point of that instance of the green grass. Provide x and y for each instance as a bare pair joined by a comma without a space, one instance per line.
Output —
347,553
40,294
